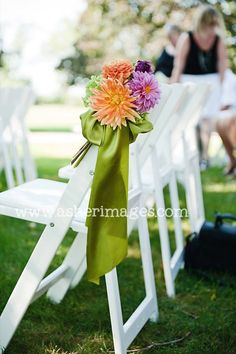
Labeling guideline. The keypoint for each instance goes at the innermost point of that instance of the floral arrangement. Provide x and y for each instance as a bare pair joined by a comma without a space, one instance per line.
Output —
123,92
120,97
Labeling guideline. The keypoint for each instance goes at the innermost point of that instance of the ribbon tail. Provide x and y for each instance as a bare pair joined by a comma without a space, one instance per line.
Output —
107,242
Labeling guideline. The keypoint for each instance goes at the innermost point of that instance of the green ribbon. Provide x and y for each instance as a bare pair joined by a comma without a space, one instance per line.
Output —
107,236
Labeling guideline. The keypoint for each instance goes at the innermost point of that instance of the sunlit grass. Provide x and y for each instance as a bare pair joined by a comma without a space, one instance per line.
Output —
230,187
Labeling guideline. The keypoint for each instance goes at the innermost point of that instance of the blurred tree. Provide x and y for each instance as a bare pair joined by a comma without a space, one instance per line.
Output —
1,58
111,29
1,55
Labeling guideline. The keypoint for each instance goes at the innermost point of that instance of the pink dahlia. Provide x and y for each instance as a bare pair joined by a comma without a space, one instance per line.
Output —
145,89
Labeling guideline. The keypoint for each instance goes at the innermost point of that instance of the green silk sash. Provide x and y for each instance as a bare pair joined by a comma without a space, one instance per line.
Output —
107,214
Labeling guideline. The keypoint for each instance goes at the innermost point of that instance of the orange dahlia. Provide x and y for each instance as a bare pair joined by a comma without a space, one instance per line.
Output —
113,104
120,69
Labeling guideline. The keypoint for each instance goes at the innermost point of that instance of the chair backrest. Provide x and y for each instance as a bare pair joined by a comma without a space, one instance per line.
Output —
196,95
162,117
25,98
20,131
154,115
14,146
177,113
8,103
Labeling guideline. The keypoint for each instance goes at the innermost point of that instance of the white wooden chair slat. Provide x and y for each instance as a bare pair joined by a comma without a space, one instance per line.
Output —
14,146
22,132
6,111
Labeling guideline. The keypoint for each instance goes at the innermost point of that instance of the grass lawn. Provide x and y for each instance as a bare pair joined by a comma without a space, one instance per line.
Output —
204,308
53,117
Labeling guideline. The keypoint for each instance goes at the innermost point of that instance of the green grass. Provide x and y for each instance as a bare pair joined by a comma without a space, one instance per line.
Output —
51,129
204,306
54,117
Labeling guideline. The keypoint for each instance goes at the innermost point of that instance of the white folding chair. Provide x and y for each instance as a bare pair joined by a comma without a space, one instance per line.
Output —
179,108
158,173
14,147
185,152
172,96
163,141
42,201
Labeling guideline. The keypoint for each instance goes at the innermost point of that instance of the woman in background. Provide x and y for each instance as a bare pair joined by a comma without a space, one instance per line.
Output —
201,56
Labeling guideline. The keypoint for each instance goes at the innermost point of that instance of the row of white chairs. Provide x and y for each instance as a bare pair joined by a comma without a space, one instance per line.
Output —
15,157
174,119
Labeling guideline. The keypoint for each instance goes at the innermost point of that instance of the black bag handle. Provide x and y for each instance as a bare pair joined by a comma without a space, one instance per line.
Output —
220,217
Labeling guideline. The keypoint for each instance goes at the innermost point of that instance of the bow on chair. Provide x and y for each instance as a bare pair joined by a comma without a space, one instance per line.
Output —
107,236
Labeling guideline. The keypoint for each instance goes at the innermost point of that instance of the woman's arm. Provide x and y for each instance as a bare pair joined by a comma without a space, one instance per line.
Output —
222,59
182,50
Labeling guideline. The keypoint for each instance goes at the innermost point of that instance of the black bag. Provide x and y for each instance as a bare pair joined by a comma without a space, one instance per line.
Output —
214,247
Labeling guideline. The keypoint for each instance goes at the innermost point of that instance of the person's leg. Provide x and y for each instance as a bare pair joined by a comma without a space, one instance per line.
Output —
199,140
204,130
226,129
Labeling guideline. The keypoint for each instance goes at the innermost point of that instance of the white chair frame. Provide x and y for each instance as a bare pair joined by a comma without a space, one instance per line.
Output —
172,96
32,284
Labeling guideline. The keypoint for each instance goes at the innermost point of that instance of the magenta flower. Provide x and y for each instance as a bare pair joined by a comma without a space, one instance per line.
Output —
145,89
143,66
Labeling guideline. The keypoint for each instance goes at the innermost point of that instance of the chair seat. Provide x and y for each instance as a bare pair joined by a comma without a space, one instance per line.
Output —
37,200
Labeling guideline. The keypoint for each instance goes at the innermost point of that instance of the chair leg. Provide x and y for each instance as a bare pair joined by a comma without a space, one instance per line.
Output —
79,274
190,198
75,260
163,228
27,285
124,334
113,295
146,254
175,207
194,195
198,191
